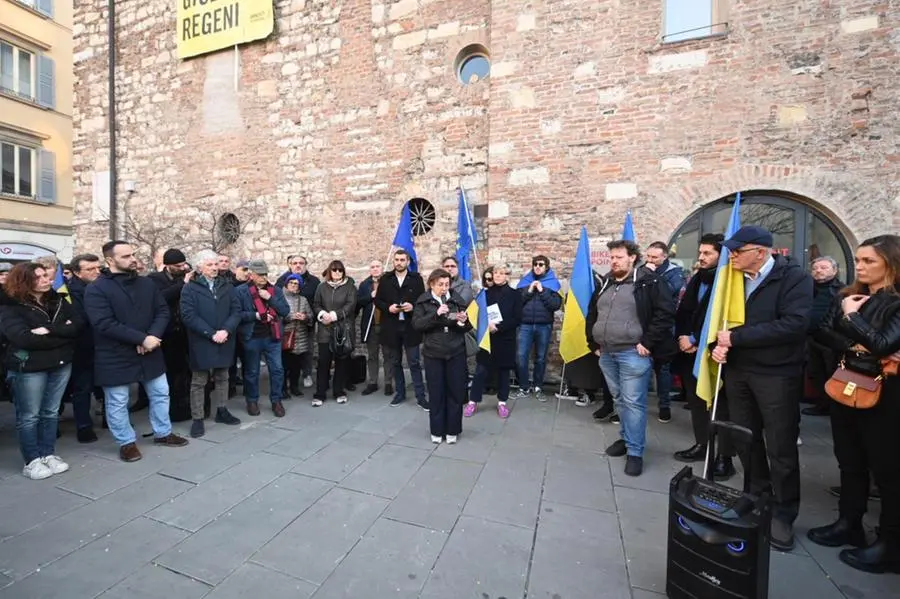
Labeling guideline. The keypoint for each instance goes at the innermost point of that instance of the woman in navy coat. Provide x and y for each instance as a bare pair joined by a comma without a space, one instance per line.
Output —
211,313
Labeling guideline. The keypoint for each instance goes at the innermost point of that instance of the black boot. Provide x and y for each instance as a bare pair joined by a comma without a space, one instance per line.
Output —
197,429
881,556
723,468
840,533
223,416
696,453
295,389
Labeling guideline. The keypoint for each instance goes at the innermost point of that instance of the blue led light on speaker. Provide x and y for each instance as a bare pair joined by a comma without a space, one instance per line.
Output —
738,547
683,525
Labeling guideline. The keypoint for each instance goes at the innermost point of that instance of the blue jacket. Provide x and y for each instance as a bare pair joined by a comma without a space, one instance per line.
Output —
204,312
124,309
538,307
248,310
673,275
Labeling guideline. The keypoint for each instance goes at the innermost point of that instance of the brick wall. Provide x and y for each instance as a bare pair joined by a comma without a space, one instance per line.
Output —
352,107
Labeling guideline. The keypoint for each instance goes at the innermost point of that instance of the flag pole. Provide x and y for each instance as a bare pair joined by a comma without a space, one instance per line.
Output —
372,315
712,416
470,226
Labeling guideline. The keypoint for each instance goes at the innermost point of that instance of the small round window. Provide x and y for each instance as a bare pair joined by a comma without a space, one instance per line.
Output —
229,228
473,64
422,215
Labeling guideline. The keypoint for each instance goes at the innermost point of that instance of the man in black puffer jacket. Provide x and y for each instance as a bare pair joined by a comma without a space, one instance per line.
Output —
820,360
764,371
85,270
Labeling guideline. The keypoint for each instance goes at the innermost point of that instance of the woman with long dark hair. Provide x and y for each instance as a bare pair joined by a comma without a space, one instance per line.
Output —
863,326
335,307
440,314
41,327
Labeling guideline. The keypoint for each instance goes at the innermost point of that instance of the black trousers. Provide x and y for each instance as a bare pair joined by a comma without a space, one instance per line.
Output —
446,380
323,371
701,415
869,440
480,381
769,405
820,364
293,367
238,354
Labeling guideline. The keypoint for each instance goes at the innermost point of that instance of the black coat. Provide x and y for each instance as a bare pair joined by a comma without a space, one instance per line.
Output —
124,309
443,338
84,345
772,339
204,312
655,310
823,295
170,288
365,304
310,283
342,301
503,342
29,352
390,293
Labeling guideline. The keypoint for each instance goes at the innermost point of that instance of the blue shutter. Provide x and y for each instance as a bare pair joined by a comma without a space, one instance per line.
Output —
47,177
45,7
46,84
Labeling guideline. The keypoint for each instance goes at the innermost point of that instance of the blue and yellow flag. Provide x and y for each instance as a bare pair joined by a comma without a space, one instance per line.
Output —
628,229
466,237
477,312
59,283
725,311
573,343
403,238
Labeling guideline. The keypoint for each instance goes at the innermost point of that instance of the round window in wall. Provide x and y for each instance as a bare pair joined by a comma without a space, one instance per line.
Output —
473,64
422,215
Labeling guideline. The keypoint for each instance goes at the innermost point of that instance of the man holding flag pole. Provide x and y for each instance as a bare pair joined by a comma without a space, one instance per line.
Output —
756,327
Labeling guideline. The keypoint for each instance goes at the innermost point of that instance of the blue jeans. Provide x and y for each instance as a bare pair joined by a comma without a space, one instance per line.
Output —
628,377
36,396
414,360
117,410
663,383
270,349
539,336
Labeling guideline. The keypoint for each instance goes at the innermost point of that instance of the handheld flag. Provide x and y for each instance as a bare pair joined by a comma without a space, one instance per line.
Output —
628,229
59,283
404,238
725,311
478,316
465,238
573,342
549,281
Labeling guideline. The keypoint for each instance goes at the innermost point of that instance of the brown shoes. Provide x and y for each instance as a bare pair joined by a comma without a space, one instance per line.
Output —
277,409
171,440
129,453
252,408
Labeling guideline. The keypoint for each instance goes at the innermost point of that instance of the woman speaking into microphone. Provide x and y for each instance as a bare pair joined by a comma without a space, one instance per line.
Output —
440,314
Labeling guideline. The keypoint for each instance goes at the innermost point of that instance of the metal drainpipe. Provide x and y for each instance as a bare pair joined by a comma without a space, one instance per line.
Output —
113,173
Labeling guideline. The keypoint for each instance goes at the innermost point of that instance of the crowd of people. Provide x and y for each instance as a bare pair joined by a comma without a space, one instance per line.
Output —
181,332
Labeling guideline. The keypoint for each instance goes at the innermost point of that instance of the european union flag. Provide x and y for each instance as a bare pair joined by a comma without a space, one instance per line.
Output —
628,229
404,238
465,237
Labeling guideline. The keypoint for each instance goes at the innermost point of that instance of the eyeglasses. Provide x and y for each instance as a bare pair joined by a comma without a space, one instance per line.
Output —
337,270
536,264
742,250
489,280
449,266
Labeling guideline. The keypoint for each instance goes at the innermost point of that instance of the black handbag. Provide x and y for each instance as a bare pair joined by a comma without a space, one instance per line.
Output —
340,343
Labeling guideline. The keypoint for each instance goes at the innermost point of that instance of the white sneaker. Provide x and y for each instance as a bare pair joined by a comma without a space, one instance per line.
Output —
317,403
307,381
539,394
342,399
37,470
55,464
521,394
583,401
436,440
799,441
451,439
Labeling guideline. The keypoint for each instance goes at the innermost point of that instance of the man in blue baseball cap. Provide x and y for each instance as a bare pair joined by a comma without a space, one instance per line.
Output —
764,372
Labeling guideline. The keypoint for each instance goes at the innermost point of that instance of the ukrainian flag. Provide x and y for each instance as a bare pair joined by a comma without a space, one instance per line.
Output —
725,311
573,342
59,283
477,312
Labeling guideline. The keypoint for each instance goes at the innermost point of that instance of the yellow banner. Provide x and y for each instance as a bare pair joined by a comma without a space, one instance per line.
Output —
209,25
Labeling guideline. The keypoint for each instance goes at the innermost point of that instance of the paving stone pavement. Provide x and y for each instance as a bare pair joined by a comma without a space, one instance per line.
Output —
354,501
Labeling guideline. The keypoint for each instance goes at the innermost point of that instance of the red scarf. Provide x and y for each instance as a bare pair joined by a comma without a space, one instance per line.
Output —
266,312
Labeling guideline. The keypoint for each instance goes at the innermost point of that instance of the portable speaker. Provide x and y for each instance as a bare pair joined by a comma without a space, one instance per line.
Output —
718,542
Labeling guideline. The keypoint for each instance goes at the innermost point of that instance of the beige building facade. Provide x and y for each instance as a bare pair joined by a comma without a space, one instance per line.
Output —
35,129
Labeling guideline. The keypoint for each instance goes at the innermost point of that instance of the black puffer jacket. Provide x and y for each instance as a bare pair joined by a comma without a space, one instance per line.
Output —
876,327
443,338
29,352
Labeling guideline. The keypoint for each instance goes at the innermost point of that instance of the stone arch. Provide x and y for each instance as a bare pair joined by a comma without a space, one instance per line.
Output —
854,203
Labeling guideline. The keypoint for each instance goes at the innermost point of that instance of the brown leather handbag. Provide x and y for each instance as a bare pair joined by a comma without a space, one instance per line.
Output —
856,390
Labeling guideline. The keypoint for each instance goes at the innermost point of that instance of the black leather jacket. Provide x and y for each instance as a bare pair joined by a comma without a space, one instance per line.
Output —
876,327
443,338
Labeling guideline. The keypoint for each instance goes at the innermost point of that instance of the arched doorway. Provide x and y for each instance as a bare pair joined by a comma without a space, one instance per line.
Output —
799,230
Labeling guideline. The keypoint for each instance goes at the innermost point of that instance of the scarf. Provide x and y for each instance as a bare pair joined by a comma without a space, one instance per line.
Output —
266,312
692,302
549,281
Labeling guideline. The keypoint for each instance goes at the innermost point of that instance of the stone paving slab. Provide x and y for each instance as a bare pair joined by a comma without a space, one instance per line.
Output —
354,501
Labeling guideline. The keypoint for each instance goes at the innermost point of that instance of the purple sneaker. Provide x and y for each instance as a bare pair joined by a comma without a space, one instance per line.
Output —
502,410
470,409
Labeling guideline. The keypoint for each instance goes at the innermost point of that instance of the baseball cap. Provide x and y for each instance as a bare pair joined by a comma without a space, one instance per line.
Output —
242,263
258,267
747,235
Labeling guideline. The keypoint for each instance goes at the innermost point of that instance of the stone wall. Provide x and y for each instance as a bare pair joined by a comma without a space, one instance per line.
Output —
352,107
